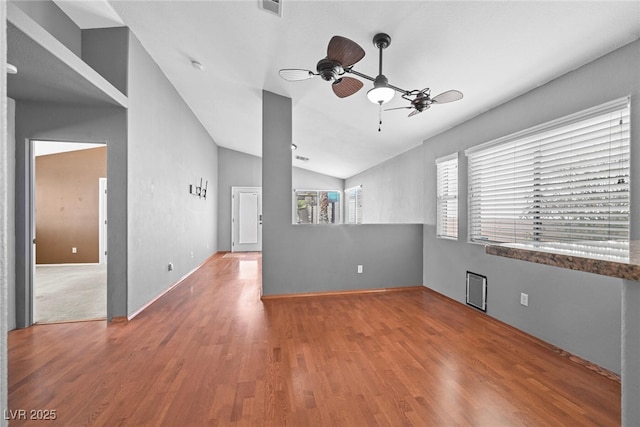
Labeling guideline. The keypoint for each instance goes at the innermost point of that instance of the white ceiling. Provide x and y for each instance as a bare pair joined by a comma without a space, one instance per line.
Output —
44,148
491,51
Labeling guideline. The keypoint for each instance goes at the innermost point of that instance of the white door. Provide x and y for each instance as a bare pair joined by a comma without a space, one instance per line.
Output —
102,220
246,219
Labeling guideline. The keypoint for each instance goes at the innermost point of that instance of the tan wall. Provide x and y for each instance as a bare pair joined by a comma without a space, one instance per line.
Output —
67,201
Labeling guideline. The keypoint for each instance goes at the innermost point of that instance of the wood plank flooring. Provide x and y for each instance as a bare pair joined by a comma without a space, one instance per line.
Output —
211,353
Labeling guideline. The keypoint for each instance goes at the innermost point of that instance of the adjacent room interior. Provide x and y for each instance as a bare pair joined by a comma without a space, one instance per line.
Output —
70,193
303,219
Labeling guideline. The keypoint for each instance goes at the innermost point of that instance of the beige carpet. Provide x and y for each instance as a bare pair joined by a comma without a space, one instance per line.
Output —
69,293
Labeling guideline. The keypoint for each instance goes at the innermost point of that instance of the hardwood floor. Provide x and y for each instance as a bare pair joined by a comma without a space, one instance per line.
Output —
210,352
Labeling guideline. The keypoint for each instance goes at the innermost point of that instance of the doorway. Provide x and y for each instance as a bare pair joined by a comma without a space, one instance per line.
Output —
246,219
69,205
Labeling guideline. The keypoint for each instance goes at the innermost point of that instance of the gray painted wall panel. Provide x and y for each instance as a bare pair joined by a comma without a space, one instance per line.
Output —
168,150
236,169
301,259
58,122
106,51
5,226
308,180
578,312
392,191
50,17
10,212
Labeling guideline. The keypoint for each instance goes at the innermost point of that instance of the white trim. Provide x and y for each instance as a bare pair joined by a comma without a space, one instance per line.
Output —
447,158
562,121
102,220
238,189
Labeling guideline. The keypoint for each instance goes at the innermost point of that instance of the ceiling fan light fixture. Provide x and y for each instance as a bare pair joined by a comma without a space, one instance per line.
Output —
381,92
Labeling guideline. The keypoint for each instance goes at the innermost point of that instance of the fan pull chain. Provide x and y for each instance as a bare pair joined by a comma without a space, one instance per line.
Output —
380,117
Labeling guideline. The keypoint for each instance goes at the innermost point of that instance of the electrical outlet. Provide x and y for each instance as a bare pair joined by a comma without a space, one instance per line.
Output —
74,250
191,254
524,299
360,269
170,267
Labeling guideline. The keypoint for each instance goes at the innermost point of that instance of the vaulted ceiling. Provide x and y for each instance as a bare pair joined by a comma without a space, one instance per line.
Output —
490,51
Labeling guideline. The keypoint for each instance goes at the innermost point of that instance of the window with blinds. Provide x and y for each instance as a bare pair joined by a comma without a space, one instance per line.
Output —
564,181
353,197
447,197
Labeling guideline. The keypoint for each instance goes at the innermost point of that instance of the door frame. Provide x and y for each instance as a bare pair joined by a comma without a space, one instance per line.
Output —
234,236
30,172
102,220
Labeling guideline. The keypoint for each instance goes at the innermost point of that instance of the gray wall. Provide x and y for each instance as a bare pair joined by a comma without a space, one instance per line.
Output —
317,258
576,311
168,150
10,213
392,191
236,169
81,123
106,51
5,201
50,17
303,179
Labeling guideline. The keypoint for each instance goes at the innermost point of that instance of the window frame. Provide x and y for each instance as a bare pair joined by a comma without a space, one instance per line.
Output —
444,198
316,214
358,199
621,105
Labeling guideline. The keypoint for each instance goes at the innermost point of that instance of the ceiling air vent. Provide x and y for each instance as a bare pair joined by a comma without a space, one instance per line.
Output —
273,6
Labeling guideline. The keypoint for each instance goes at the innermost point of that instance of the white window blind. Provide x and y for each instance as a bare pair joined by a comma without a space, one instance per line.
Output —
565,181
447,196
354,204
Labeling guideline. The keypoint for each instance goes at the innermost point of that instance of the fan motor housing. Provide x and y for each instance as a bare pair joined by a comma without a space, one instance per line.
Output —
329,70
422,102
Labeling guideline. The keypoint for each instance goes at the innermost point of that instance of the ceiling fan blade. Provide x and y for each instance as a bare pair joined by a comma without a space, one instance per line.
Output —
448,96
346,86
296,75
397,108
344,51
414,112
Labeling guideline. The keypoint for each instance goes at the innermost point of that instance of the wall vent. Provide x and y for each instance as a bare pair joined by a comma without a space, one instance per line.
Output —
272,6
302,159
477,291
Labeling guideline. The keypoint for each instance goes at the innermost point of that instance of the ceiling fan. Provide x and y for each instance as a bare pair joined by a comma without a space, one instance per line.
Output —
422,100
343,54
